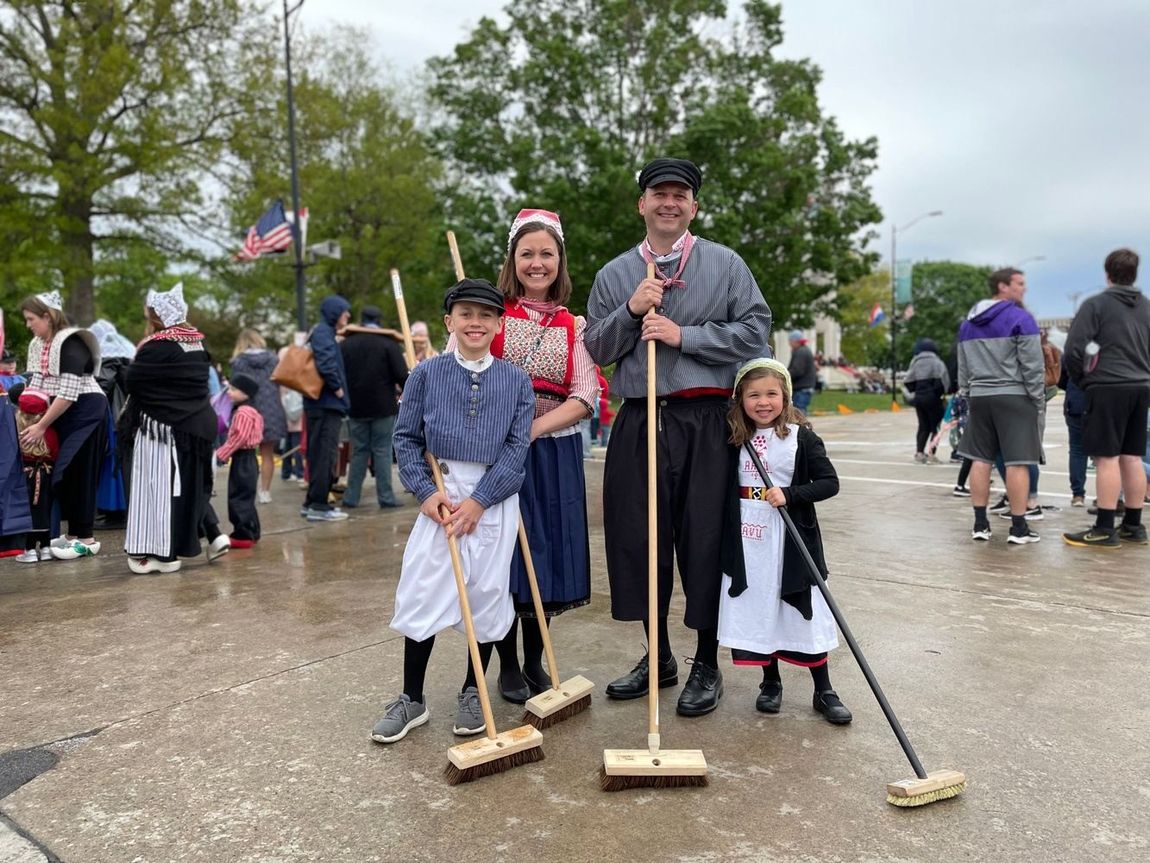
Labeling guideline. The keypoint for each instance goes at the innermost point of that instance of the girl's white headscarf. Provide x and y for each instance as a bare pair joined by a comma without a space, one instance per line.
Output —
765,363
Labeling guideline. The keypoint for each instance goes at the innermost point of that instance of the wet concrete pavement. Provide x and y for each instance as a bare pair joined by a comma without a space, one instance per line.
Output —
222,714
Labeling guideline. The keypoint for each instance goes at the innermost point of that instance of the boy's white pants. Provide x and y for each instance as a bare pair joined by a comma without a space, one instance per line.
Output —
426,600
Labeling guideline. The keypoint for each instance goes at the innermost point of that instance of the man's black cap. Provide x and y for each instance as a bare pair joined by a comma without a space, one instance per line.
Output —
670,171
371,315
473,291
247,385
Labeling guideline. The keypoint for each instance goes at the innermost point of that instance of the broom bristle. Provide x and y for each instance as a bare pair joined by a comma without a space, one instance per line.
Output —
457,776
928,797
541,722
615,782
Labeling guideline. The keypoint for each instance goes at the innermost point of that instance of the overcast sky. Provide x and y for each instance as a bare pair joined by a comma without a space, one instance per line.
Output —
1025,122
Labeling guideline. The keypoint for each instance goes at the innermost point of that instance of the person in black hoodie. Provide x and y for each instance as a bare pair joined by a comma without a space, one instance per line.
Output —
375,370
1108,356
325,414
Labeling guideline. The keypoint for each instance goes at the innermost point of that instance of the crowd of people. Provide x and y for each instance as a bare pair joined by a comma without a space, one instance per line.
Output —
1007,370
498,419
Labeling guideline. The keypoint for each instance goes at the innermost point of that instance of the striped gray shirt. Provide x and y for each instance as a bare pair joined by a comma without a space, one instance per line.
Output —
724,319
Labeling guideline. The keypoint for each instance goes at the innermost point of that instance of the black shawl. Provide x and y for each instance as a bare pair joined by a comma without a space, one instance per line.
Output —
170,385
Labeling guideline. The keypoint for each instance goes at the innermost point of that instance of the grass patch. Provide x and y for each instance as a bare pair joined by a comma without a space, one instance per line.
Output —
828,401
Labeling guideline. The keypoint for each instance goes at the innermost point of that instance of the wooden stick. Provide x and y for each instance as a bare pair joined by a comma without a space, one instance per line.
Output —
652,551
401,307
537,600
455,258
464,605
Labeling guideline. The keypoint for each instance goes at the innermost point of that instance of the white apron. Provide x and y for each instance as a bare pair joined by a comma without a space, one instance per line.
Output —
758,620
426,600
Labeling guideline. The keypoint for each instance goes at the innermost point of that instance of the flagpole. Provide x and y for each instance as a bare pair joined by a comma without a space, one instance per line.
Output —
296,227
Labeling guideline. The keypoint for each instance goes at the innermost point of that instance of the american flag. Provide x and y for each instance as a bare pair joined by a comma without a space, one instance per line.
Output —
272,233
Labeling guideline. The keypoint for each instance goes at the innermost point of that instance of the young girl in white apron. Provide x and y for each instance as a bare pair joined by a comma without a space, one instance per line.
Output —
770,610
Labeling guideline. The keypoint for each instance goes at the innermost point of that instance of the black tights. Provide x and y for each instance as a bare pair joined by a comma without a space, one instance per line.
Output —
508,648
416,655
820,675
706,645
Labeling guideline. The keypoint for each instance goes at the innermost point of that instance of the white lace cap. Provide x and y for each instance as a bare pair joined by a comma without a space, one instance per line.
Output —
169,305
52,300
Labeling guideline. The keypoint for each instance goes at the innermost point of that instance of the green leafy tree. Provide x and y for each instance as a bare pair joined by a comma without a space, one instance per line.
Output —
367,176
863,344
943,293
112,116
560,107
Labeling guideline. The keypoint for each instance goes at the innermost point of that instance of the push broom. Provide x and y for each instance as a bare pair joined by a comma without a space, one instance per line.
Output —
495,752
652,767
562,700
925,787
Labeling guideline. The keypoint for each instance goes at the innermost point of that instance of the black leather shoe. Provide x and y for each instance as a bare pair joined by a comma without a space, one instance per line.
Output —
828,704
703,690
537,683
770,698
512,686
635,683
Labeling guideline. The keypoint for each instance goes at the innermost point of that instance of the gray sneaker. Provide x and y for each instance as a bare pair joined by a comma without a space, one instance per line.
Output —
469,719
401,716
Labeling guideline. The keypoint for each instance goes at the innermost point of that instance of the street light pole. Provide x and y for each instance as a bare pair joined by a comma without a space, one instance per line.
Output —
894,297
296,227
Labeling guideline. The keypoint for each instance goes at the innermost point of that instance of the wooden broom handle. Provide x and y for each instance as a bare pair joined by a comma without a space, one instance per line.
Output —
401,308
464,606
652,552
525,547
455,259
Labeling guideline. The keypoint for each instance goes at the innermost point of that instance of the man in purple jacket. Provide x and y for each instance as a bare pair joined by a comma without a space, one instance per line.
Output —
1000,369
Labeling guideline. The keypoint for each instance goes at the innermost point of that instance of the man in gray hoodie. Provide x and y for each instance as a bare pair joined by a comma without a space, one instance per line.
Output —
1000,369
1108,357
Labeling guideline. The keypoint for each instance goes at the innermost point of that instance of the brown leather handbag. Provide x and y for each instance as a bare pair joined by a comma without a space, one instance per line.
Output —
296,370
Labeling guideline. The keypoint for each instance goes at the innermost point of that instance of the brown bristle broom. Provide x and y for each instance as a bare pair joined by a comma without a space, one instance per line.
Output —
495,752
562,700
652,767
925,787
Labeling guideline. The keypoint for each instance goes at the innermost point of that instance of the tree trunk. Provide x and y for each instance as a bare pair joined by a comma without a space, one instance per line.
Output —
78,266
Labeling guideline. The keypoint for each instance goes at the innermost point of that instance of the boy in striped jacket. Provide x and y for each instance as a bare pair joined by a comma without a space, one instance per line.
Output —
473,412
244,436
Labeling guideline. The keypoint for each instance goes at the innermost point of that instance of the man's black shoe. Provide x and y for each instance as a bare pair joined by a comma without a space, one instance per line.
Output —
828,704
703,690
512,686
770,698
634,684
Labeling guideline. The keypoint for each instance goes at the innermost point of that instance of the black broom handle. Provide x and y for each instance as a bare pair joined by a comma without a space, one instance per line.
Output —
871,680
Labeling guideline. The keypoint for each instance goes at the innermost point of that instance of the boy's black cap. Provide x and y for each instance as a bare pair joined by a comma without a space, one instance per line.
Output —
249,386
7,356
473,291
670,171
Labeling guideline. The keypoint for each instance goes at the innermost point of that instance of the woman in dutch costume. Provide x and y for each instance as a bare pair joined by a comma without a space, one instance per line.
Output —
544,339
63,362
167,428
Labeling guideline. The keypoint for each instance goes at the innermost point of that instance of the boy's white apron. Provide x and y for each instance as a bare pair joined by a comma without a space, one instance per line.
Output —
426,600
758,620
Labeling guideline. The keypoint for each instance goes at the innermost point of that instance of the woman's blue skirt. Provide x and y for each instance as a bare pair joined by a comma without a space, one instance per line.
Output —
553,504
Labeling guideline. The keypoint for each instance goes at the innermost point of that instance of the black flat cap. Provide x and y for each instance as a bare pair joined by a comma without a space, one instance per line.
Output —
670,171
371,315
247,385
473,291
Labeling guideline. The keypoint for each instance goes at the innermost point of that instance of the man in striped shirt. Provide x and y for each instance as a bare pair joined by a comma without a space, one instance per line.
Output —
707,316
